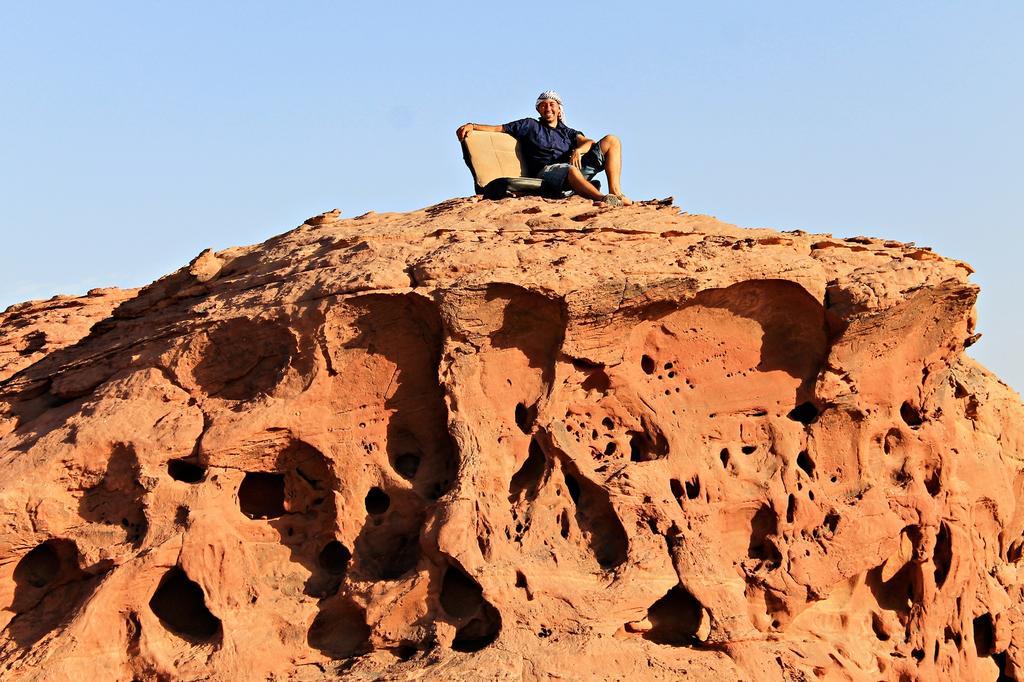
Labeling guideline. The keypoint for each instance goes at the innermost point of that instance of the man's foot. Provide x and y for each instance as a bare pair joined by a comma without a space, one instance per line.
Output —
612,200
626,201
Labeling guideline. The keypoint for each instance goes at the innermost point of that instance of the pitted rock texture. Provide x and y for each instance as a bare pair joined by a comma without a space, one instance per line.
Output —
35,328
522,439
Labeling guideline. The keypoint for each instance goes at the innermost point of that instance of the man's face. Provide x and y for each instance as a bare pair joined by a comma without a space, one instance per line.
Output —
549,110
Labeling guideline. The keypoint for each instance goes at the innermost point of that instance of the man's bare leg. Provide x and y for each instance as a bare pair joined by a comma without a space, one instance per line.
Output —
579,184
612,150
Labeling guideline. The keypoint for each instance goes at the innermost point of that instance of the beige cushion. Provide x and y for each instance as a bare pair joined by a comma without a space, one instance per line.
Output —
493,155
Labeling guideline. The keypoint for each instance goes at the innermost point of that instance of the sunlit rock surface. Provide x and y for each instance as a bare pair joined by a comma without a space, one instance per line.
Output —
522,439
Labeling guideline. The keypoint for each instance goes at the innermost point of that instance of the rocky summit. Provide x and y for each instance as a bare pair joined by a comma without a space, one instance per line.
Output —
525,440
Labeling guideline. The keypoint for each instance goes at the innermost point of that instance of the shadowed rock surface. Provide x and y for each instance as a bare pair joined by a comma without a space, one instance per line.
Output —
516,440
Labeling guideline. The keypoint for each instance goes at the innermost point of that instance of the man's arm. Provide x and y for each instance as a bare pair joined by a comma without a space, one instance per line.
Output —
464,130
583,145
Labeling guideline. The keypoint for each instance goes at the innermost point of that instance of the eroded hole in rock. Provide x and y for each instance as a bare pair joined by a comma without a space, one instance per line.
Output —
791,509
896,594
693,488
49,588
933,482
984,635
910,414
407,465
481,630
805,413
1007,670
117,500
525,417
914,535
133,628
477,622
180,605
597,381
1015,550
574,488
971,412
527,480
598,521
186,471
724,456
563,524
39,567
950,635
334,558
483,542
261,495
748,449
244,358
763,524
878,627
584,365
832,521
677,491
461,596
405,652
647,364
943,556
891,440
340,629
675,618
647,445
804,461
639,449
377,501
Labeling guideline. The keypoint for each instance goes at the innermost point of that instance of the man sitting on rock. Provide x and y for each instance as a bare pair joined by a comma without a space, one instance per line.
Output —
561,156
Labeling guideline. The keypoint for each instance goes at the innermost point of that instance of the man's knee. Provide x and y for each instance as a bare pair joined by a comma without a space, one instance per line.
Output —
610,141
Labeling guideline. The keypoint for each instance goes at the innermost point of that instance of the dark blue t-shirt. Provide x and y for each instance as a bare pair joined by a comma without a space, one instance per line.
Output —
542,144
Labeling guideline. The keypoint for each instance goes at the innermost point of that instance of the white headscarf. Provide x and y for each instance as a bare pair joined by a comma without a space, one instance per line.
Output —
552,95
549,94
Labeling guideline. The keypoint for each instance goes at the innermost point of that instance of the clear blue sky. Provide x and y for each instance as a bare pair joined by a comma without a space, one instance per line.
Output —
135,134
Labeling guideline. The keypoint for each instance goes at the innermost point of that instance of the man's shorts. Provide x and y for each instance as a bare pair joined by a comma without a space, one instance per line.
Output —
553,175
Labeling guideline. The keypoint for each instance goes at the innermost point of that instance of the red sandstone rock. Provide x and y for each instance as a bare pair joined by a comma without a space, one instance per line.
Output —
517,440
35,328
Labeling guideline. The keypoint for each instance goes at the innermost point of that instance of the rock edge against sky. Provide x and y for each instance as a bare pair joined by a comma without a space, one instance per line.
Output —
515,440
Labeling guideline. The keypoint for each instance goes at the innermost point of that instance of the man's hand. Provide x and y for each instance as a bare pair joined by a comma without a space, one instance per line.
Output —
465,130
583,145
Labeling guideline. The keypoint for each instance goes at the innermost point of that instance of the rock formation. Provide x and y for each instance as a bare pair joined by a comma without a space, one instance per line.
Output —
522,439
